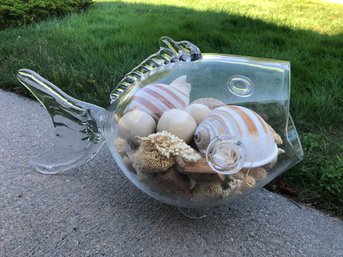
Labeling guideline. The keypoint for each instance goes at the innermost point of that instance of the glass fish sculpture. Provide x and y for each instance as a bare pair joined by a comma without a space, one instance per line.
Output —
190,129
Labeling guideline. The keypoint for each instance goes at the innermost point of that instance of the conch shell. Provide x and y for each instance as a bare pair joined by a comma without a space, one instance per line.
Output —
246,126
211,103
155,99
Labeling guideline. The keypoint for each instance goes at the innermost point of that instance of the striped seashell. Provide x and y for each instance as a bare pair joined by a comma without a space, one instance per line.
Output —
211,103
155,99
244,124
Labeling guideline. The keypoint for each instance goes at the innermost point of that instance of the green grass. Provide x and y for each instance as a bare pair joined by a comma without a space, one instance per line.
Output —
86,54
23,12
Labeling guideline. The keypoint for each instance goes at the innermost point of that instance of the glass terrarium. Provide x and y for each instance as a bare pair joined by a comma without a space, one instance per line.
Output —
189,129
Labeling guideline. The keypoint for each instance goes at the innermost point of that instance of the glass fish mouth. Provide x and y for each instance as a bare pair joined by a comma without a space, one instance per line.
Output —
240,86
226,155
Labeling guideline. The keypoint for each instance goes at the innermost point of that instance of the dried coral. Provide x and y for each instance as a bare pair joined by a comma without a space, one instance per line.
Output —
158,152
207,192
149,160
170,145
235,184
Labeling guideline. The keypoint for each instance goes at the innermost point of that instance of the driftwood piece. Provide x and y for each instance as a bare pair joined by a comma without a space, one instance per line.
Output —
200,166
204,178
199,171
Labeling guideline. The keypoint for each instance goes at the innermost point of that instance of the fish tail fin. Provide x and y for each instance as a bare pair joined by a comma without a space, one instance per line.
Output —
77,131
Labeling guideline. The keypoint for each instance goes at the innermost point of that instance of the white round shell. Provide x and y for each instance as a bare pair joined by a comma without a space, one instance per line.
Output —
136,123
177,122
198,111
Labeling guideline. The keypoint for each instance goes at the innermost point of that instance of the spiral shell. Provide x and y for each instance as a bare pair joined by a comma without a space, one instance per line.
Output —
155,99
244,124
211,103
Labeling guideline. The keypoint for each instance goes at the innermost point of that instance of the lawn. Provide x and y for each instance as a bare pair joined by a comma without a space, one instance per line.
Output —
20,13
85,54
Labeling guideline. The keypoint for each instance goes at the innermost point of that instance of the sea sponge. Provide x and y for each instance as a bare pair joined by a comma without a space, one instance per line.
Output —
148,159
170,145
248,182
258,173
204,192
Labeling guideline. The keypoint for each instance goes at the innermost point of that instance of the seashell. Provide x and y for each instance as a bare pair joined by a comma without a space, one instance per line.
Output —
155,99
198,111
211,103
136,123
246,126
276,136
181,84
178,123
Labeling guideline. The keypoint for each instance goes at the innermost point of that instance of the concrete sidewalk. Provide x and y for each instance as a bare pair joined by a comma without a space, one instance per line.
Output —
95,211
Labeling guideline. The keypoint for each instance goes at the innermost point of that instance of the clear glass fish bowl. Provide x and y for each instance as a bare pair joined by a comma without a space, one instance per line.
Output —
187,128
